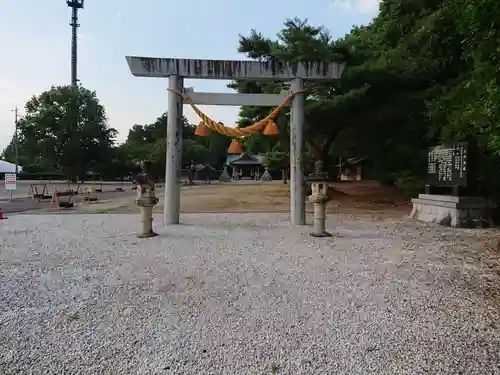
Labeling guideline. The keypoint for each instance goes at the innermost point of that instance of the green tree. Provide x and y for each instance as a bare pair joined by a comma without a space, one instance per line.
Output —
9,154
298,40
278,160
118,166
445,53
148,143
66,128
416,76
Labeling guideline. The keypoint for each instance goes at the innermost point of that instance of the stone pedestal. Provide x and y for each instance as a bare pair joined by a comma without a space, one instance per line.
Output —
146,200
146,206
452,211
146,223
319,197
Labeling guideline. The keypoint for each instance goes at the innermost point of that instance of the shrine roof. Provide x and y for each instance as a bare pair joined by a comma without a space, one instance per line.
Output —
245,159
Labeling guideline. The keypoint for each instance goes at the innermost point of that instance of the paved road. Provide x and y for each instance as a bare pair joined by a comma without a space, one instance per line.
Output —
21,205
21,202
23,187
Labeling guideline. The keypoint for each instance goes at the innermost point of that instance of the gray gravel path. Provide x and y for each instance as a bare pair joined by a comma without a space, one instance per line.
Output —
244,294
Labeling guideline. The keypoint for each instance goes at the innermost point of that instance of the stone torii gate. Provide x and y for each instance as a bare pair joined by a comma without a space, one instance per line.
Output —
178,69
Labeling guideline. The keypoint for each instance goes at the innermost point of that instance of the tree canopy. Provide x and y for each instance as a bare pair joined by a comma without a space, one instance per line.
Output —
148,143
65,129
423,72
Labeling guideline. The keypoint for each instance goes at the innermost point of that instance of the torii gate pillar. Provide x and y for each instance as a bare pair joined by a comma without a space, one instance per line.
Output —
172,198
178,69
297,193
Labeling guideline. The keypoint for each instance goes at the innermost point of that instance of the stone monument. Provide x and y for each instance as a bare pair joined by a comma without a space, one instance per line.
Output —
451,197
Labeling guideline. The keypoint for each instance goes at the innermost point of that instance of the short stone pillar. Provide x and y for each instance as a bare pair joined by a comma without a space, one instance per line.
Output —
319,197
358,172
146,200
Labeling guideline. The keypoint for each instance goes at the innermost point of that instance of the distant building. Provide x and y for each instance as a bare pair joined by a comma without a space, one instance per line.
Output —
204,172
351,169
245,165
6,167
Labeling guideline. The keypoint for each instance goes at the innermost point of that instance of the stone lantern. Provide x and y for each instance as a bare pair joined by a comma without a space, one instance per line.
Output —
146,200
319,181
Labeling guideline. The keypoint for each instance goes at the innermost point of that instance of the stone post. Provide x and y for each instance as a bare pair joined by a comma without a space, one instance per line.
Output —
358,172
146,200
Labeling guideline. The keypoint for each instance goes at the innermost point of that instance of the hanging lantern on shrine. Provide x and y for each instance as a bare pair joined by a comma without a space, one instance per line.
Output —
235,147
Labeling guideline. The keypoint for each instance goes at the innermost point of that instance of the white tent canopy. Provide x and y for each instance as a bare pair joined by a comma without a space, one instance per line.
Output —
6,167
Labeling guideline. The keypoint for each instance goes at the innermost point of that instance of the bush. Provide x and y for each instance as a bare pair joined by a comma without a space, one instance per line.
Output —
408,183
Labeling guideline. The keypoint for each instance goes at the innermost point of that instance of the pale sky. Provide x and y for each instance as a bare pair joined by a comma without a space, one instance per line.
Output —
35,39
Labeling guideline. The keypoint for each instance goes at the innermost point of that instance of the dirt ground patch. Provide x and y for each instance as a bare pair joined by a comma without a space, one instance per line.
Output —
358,197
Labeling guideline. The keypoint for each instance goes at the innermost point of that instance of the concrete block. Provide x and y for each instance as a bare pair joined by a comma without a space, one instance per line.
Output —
452,211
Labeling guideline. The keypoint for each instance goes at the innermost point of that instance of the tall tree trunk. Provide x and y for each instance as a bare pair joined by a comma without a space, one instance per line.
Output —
283,176
314,150
190,174
325,150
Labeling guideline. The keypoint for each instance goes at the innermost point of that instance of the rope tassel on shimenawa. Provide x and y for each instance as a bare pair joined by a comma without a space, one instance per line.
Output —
202,130
266,126
235,147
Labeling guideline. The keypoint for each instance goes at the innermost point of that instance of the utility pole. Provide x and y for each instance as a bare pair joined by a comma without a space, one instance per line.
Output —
74,5
16,138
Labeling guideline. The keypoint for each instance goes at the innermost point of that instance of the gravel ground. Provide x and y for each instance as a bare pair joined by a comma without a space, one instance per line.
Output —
245,294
